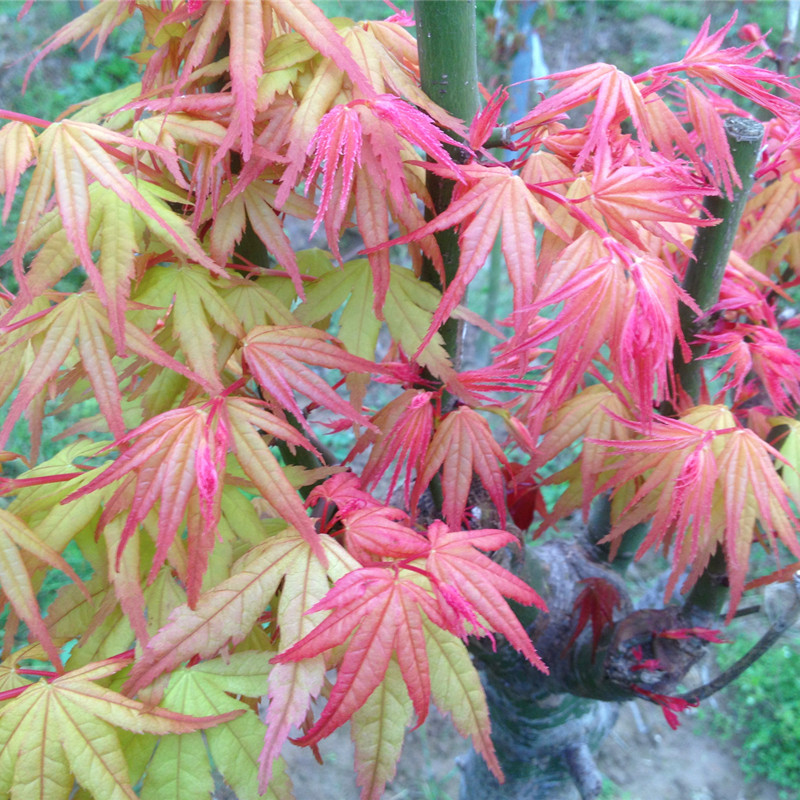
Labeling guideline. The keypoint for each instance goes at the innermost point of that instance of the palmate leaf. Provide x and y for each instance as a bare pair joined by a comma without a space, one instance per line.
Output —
292,686
457,690
383,609
198,315
463,444
18,146
255,204
54,731
707,483
367,142
455,559
71,156
760,351
616,96
408,311
634,197
384,613
54,332
10,678
115,231
595,604
225,613
15,535
378,729
180,766
733,68
492,199
613,296
277,357
179,459
99,21
174,457
405,427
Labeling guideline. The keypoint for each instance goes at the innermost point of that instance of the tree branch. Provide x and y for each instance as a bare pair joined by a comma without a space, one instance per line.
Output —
787,616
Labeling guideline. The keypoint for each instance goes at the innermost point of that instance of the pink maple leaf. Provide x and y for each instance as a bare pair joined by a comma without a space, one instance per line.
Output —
361,150
760,350
733,68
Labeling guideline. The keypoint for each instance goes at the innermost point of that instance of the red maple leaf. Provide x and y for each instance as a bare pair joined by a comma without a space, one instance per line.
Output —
383,610
671,706
613,296
277,356
178,461
485,121
455,559
406,426
489,200
595,604
706,634
381,532
704,482
522,494
733,68
760,350
177,458
361,149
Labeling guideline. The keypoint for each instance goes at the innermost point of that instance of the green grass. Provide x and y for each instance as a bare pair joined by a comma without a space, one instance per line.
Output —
611,791
761,713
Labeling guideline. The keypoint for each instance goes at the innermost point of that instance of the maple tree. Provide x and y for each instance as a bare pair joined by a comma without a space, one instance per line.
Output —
234,552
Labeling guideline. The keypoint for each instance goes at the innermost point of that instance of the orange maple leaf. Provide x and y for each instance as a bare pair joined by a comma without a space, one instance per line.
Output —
277,357
705,483
463,444
178,458
383,609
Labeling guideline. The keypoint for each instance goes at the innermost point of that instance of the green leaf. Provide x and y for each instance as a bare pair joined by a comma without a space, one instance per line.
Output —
456,689
55,730
378,729
180,767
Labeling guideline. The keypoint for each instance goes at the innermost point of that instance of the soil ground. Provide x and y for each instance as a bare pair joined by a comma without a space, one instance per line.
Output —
642,758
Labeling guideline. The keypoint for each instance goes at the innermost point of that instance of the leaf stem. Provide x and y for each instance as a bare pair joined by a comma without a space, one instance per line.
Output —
15,116
500,137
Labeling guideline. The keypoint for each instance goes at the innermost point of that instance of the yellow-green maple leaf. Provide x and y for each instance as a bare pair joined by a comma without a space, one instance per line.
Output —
54,732
180,767
378,730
